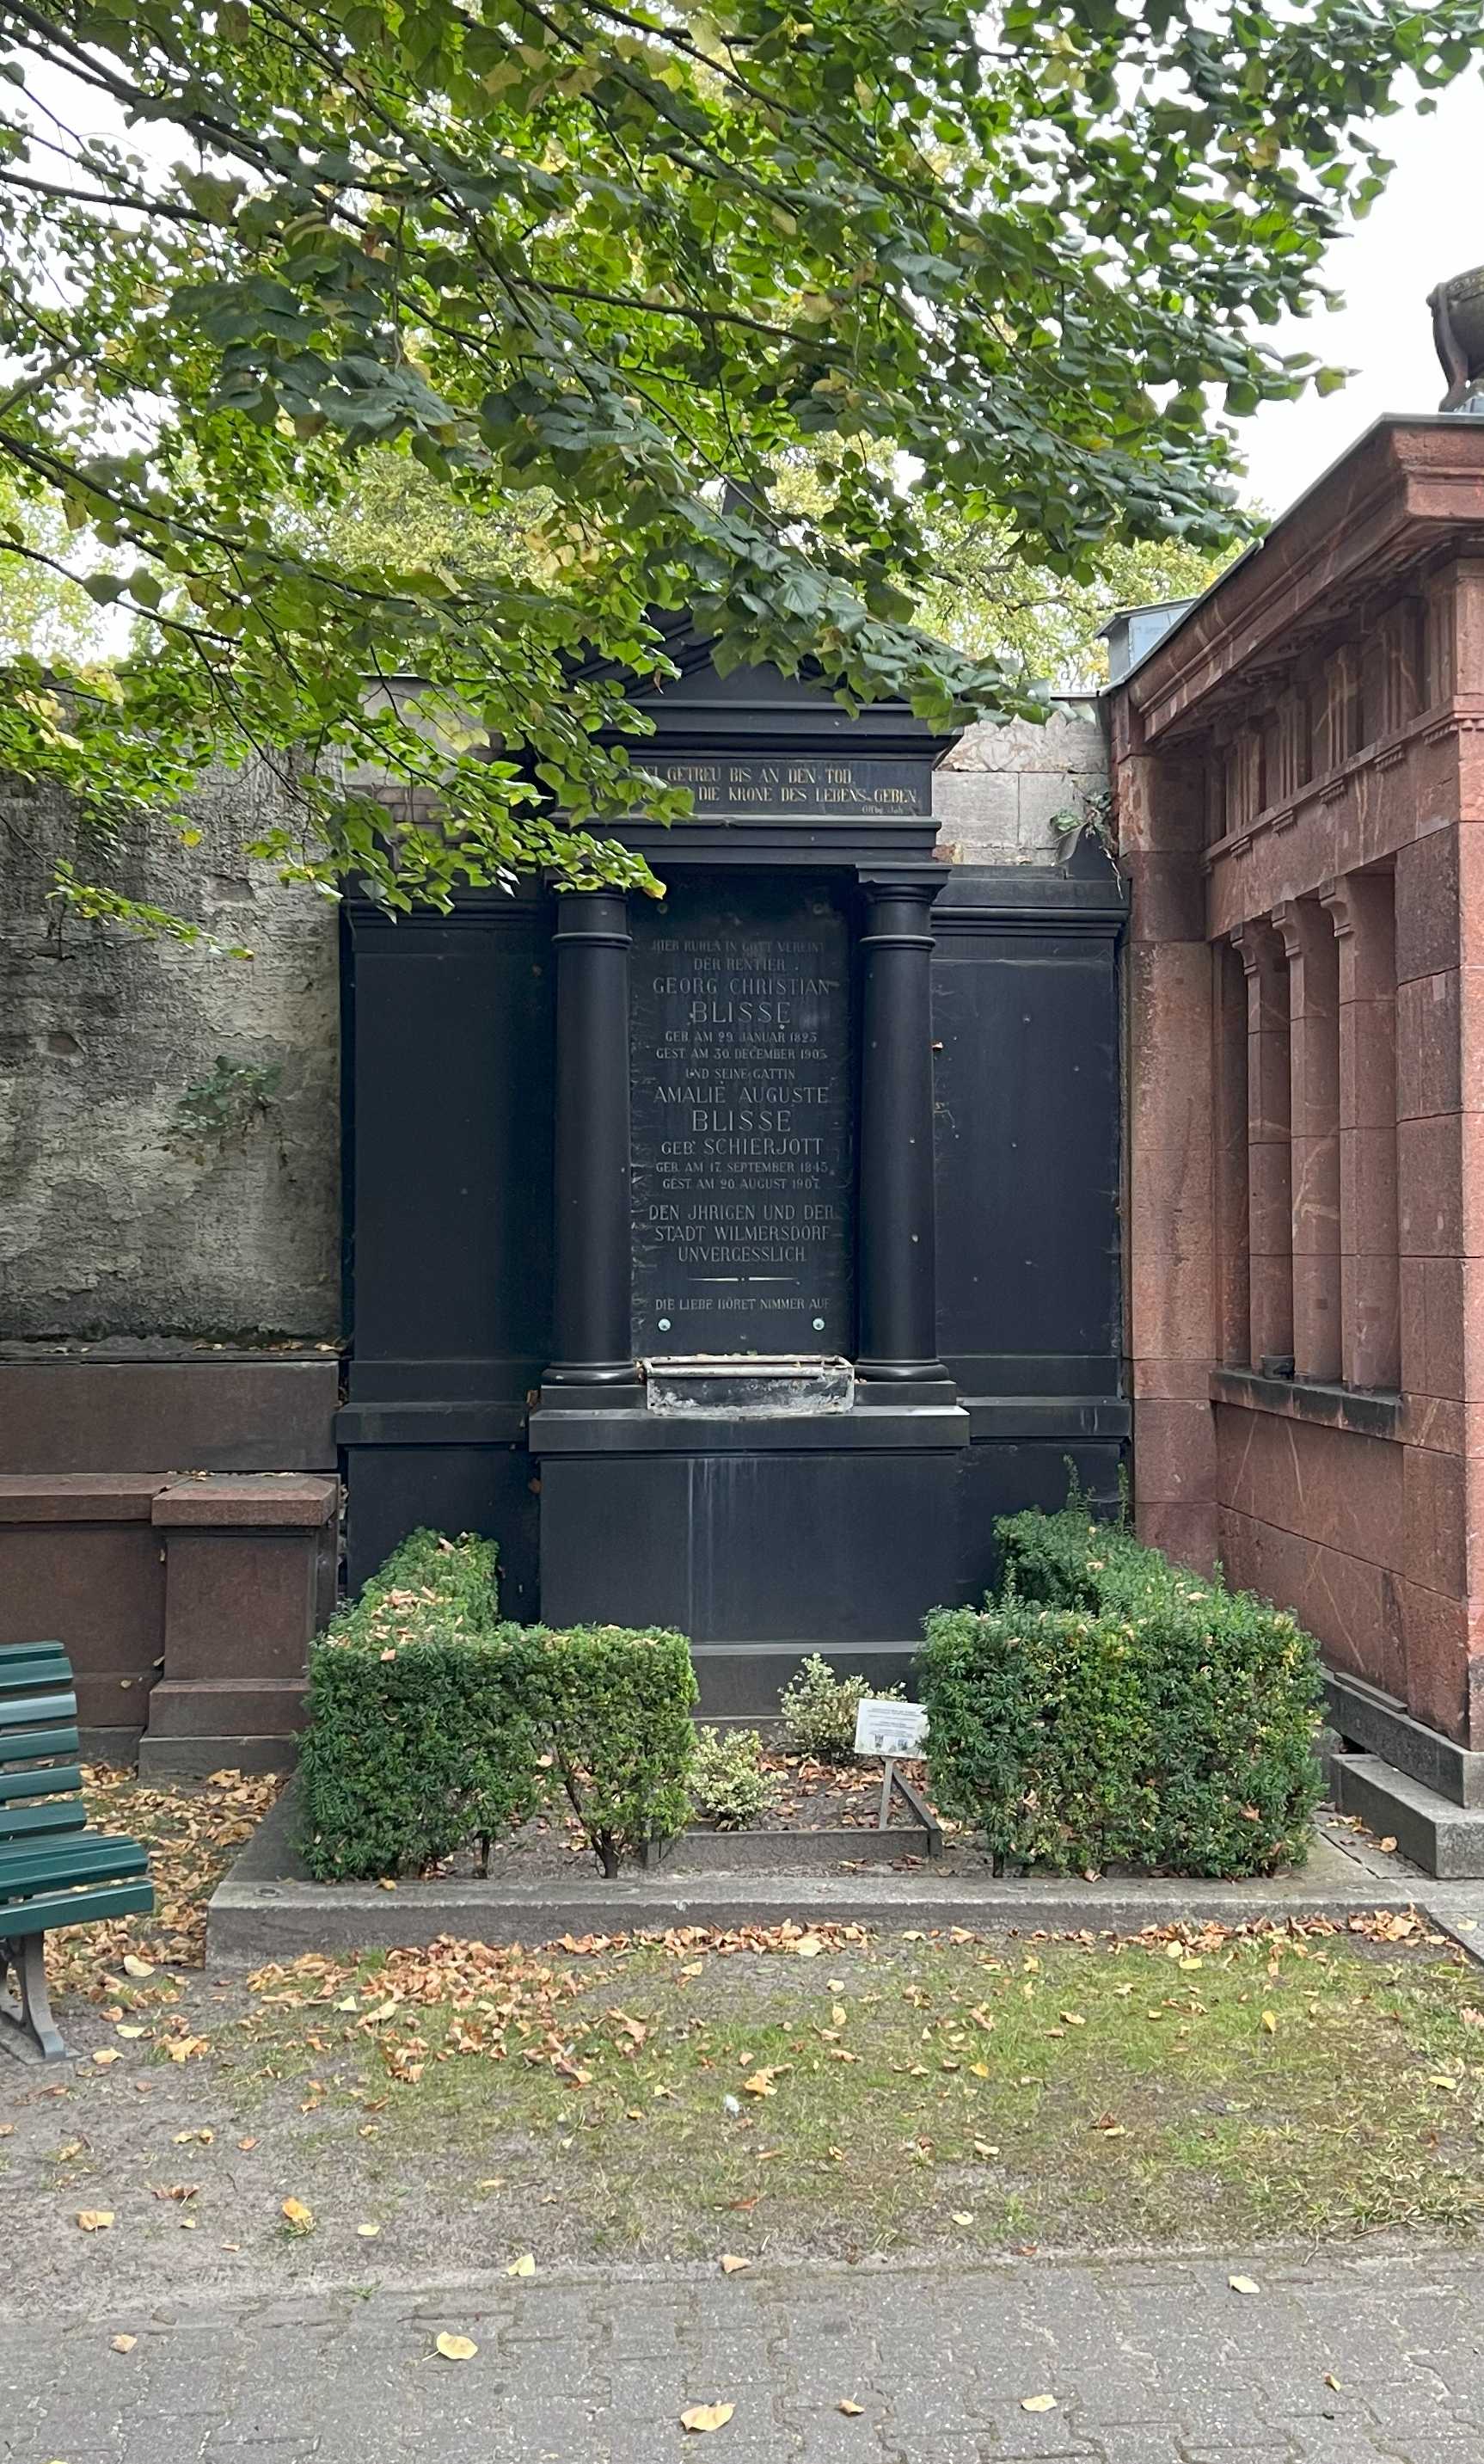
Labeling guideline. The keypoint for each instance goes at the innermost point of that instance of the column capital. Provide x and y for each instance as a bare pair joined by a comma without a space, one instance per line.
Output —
595,916
1260,945
1301,925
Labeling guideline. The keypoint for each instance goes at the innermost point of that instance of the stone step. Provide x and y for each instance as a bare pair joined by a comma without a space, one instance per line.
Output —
1443,1838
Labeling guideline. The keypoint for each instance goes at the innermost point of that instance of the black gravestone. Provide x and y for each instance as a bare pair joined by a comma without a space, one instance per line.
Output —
743,1165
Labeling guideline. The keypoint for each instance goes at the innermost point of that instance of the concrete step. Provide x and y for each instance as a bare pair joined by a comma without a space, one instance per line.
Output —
1443,1838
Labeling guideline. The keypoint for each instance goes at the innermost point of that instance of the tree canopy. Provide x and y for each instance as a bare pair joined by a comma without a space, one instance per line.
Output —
621,260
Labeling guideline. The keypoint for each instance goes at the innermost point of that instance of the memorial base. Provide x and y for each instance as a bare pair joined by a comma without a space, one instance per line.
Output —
762,1539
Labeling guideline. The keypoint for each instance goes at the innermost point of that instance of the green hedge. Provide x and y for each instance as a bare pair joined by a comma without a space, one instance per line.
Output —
1111,1708
431,1724
611,1709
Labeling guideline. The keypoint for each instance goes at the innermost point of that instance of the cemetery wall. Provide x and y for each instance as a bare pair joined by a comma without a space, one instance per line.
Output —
124,1215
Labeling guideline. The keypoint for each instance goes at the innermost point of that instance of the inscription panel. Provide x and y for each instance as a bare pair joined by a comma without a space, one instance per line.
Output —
742,1121
741,784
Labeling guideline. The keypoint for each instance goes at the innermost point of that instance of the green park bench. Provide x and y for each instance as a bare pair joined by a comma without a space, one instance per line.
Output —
53,1870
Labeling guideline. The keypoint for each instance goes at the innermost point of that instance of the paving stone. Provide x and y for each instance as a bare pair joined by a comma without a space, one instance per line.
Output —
1150,2364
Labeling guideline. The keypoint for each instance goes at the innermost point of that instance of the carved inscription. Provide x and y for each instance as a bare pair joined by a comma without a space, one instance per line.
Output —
740,1066
745,784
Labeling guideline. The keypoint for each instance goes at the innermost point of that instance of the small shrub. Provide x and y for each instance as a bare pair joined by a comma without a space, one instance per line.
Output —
612,1710
1113,1709
819,1710
415,1740
728,1785
431,1724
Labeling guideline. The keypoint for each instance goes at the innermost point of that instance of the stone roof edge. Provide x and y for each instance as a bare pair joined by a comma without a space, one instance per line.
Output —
1330,534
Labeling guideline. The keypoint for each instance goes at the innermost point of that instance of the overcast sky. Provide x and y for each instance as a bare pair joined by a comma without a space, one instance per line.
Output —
1430,223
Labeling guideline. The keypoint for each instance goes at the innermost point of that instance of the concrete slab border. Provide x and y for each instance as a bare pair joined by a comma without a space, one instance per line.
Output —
267,1908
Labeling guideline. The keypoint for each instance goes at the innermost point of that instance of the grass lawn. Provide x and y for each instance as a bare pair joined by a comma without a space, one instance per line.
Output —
871,2094
751,2095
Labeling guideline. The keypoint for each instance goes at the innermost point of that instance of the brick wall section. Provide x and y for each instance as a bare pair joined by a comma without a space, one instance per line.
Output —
1327,700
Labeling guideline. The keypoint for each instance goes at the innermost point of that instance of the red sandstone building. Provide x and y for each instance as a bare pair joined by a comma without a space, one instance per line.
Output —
1299,772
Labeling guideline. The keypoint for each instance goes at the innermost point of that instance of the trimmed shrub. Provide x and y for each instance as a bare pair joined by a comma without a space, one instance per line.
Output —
1113,1709
728,1785
431,1724
416,1739
611,1711
819,1710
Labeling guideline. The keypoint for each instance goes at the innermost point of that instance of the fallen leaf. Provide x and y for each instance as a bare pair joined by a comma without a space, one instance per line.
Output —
247,2146
731,2263
1269,2024
983,2147
105,2055
1244,2284
1330,2381
134,1965
300,2217
122,2031
1440,2078
707,2416
183,2137
525,2265
847,2405
368,2232
124,2344
94,2219
1387,1846
456,2348
1038,2404
808,1946
962,2216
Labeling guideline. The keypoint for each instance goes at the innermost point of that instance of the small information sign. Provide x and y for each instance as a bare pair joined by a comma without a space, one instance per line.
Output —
896,1729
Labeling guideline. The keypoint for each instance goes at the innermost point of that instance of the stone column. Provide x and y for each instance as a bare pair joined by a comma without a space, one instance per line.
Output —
1362,908
897,1341
1313,1064
1270,1260
1163,808
592,1228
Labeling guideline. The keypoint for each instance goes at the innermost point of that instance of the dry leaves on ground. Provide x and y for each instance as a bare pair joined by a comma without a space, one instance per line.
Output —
192,1832
707,2416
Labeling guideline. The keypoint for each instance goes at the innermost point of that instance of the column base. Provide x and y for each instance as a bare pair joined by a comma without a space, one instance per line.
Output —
885,1383
592,1386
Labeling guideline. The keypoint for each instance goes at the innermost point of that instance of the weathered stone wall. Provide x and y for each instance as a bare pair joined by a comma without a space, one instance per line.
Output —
999,794
111,1225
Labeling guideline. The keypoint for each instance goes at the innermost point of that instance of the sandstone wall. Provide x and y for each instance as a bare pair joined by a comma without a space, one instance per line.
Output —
114,1222
999,794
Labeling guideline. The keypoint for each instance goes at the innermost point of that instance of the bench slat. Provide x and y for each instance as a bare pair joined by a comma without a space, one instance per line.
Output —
76,1908
12,1653
26,1822
42,1779
29,1710
35,1668
94,1857
33,1745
